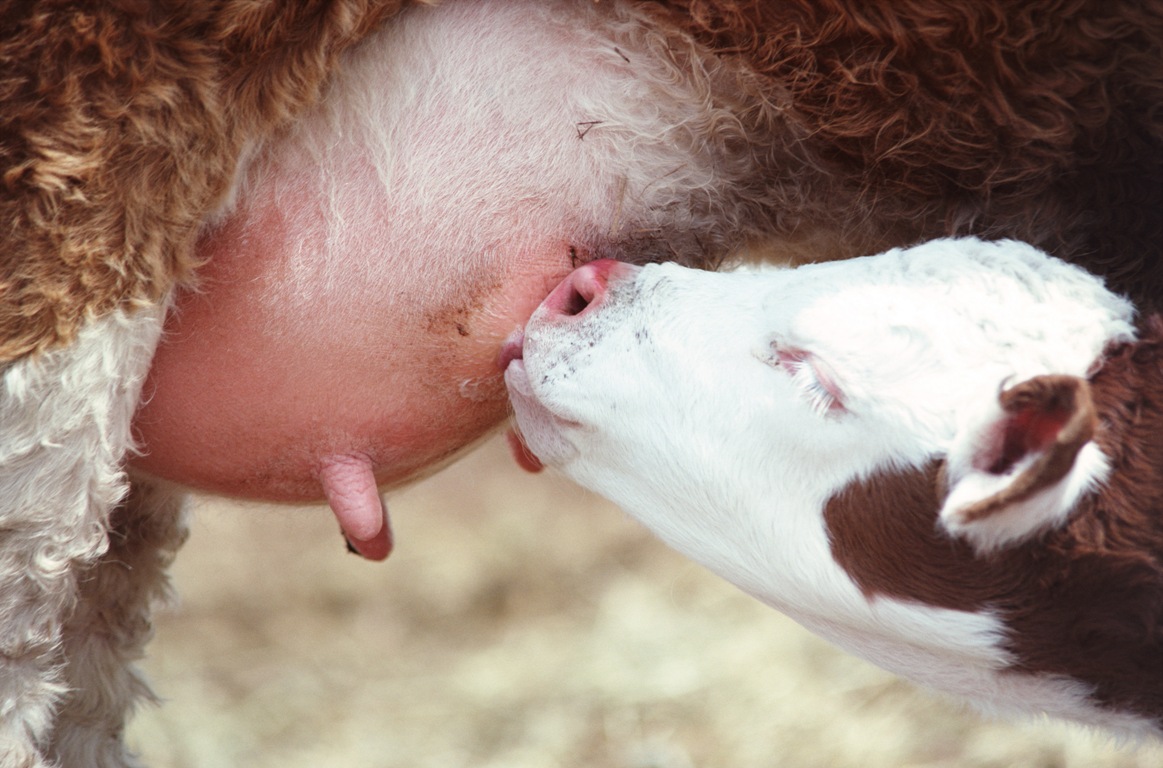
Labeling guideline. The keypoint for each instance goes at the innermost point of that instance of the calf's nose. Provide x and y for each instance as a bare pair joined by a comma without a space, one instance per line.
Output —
584,288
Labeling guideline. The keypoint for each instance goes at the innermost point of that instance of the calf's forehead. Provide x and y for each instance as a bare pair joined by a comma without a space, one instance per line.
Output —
955,302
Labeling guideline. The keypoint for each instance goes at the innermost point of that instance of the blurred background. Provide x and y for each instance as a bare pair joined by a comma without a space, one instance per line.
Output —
521,623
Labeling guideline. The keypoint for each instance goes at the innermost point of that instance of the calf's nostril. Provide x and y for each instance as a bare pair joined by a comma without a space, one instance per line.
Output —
586,286
577,300
583,287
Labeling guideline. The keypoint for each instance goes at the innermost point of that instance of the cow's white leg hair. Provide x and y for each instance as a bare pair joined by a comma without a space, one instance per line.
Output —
107,633
66,416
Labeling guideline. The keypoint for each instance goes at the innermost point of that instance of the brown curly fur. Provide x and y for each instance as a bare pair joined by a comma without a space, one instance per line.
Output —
1040,121
122,126
124,121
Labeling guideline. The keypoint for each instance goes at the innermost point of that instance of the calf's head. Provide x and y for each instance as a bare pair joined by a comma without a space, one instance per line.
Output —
739,414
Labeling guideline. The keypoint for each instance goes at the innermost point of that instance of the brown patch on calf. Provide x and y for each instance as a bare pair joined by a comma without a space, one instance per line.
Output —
1084,600
121,130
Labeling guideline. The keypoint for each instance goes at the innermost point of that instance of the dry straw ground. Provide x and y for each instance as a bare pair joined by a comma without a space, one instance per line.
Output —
522,624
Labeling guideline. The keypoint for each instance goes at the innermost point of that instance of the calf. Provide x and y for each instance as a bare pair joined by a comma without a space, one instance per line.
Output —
944,459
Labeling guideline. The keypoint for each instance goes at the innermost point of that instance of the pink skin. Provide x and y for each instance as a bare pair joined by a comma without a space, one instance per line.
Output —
263,390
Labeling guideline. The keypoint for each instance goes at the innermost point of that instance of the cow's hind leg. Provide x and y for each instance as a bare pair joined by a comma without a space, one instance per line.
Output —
107,633
66,417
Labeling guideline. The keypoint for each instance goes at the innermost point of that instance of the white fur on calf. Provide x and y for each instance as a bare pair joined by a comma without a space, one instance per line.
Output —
786,428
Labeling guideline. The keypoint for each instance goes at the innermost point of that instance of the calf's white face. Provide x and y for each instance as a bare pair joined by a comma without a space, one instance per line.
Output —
726,411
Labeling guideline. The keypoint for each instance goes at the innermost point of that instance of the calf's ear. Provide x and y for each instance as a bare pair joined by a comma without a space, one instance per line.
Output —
1021,467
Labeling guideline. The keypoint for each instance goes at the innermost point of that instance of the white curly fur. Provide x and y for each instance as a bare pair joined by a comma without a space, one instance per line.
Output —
66,417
